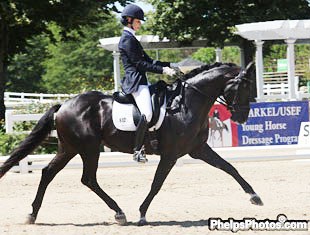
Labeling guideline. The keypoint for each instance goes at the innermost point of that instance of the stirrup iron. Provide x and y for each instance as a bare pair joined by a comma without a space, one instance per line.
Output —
139,156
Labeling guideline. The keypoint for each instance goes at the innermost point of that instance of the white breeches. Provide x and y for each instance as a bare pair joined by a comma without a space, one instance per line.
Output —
143,99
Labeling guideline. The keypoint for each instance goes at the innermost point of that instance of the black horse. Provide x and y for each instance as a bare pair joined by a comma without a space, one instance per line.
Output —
84,122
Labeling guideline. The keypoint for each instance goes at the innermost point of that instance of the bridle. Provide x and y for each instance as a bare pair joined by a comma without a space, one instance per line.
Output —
234,106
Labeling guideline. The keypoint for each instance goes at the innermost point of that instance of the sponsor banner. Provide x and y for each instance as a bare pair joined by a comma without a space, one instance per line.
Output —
273,123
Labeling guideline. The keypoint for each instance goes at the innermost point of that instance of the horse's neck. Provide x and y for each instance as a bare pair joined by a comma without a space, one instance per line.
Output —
208,92
199,104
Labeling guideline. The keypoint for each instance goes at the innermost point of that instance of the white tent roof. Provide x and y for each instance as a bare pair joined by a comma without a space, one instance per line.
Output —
274,30
111,44
151,42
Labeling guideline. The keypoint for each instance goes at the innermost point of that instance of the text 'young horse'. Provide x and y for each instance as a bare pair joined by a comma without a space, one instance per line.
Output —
84,122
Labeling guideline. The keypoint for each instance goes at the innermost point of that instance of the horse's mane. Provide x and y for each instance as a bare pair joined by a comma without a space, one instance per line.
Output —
206,67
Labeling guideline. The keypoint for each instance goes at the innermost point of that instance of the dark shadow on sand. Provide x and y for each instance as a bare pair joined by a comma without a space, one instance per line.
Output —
185,224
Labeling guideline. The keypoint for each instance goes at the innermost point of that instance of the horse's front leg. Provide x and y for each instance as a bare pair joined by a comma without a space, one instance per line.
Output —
206,154
163,169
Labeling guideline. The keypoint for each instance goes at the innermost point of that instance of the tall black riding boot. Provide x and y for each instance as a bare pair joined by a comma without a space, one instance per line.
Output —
139,154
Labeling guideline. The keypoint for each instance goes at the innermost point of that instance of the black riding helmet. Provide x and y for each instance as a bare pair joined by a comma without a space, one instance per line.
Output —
132,11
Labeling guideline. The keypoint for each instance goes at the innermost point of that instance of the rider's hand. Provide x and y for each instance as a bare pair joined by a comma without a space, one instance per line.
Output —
168,71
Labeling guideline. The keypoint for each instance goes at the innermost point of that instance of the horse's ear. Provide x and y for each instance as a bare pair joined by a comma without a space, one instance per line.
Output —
248,72
249,68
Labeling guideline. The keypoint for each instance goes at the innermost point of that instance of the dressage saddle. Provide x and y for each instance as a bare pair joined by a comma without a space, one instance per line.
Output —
158,93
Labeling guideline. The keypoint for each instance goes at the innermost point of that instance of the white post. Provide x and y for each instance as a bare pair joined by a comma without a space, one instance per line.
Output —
9,121
116,67
259,69
218,54
23,166
291,68
242,60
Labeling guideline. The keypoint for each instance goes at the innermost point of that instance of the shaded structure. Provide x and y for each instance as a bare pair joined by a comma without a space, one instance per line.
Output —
287,30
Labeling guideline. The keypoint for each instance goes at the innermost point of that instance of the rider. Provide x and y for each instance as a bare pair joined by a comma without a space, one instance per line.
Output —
136,63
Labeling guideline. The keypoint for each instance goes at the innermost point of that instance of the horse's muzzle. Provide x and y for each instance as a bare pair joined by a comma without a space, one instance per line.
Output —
240,117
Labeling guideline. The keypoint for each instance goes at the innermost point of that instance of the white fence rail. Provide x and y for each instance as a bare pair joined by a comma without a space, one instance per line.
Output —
231,154
11,119
276,89
15,98
12,98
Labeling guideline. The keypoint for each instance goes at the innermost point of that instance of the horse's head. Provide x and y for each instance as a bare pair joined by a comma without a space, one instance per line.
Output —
237,95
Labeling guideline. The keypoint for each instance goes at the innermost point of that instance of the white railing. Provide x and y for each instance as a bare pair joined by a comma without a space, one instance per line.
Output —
11,119
34,97
231,154
275,89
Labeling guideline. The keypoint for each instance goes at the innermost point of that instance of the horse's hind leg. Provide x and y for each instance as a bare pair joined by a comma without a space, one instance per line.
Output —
89,178
48,173
206,154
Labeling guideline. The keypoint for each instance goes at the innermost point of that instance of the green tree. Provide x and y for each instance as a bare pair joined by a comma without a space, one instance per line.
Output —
26,68
23,19
78,65
206,55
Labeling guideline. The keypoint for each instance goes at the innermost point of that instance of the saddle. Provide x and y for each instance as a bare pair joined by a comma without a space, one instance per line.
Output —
126,114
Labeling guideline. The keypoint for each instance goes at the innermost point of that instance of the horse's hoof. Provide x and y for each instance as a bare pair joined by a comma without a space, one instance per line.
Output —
255,199
30,219
120,218
142,221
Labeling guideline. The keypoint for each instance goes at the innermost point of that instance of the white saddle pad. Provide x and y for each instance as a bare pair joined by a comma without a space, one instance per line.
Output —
122,115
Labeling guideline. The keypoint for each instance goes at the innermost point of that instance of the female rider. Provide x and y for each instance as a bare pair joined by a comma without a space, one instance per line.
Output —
136,63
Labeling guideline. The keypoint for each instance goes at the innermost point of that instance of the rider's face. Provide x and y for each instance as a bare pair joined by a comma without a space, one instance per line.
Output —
136,24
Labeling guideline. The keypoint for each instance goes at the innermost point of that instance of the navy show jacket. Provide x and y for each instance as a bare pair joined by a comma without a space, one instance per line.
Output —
136,63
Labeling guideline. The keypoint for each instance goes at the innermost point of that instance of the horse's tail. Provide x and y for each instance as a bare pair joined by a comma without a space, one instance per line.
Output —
32,141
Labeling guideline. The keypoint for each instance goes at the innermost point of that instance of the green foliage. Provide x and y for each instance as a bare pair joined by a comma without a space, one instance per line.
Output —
25,19
214,20
26,68
231,54
8,142
79,65
70,66
20,20
273,52
206,55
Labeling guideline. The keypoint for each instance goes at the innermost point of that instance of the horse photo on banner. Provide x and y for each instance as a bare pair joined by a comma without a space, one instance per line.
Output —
222,130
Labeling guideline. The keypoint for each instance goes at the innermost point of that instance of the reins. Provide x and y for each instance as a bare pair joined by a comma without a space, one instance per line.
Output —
186,84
